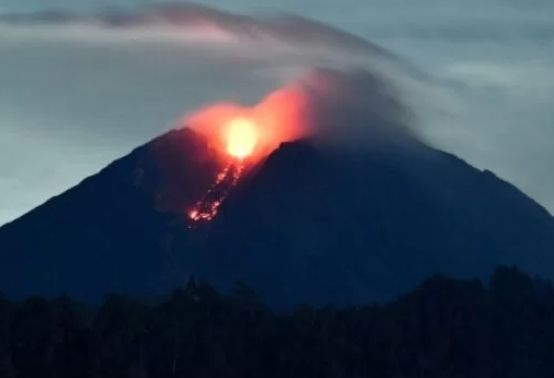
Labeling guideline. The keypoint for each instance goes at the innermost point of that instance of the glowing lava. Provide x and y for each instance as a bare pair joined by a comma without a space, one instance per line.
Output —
206,209
253,132
241,137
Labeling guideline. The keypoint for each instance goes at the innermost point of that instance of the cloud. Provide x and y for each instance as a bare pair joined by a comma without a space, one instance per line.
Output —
203,22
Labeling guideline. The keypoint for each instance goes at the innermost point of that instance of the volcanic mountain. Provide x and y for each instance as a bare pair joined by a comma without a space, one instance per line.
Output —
309,223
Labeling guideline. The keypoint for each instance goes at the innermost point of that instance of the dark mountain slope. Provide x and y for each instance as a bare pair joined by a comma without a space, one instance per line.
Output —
308,224
351,227
105,234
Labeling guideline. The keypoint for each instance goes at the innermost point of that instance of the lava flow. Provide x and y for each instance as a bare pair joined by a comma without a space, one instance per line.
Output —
241,139
206,209
244,135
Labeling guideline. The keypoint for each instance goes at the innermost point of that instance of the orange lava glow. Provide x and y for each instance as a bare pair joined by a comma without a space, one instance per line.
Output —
206,208
241,137
241,132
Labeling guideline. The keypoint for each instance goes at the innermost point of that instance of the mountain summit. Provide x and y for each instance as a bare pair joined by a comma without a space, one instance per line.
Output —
307,224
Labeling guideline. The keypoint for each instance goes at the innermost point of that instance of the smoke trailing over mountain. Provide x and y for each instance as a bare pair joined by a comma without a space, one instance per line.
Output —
339,109
357,109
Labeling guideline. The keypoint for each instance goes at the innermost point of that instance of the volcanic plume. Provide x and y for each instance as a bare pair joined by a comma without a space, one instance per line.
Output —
240,131
341,109
243,135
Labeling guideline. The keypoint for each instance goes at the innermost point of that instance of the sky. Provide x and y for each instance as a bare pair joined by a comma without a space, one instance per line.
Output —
479,75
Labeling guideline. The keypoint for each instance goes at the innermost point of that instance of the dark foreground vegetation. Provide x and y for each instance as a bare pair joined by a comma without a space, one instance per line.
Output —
445,328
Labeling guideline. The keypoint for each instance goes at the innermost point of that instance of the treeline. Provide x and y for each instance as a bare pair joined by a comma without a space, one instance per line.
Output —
446,329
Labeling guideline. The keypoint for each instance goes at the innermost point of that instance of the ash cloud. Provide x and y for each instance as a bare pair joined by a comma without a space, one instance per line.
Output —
357,109
348,110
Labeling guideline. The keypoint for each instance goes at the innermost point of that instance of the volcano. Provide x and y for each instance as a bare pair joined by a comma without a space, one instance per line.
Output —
308,223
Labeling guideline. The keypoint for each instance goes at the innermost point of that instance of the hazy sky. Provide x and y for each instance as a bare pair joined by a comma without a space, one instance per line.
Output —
72,99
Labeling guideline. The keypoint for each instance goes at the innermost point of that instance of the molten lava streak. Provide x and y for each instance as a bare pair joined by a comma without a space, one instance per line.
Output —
241,139
244,135
206,209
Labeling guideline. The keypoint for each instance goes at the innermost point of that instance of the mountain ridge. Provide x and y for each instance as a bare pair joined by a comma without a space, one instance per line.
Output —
306,224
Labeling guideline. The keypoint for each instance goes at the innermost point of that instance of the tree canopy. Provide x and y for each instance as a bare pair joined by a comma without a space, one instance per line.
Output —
444,328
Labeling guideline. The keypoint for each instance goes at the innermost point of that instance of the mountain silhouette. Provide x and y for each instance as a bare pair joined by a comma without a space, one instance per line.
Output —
309,223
